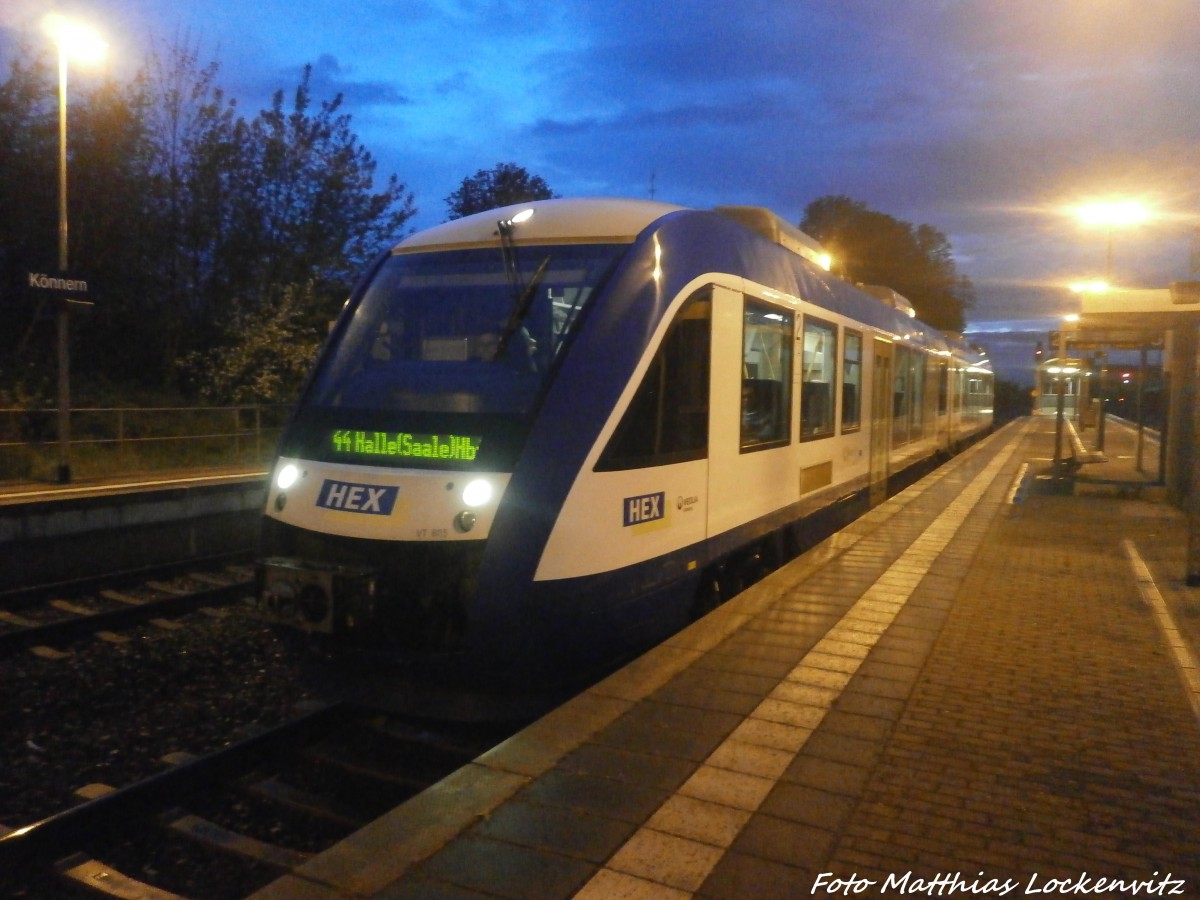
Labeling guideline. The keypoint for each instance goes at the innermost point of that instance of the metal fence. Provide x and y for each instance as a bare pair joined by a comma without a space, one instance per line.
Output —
124,440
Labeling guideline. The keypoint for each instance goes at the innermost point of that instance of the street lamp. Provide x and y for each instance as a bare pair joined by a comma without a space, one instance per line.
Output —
83,44
1110,214
1094,286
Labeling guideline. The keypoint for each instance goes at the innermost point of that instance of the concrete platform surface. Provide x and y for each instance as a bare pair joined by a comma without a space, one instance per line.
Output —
985,687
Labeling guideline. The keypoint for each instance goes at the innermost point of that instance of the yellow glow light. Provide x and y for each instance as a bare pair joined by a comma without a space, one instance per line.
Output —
1113,213
76,40
1098,286
825,261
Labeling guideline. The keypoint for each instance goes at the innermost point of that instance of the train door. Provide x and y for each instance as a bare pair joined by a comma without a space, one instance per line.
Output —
751,471
881,419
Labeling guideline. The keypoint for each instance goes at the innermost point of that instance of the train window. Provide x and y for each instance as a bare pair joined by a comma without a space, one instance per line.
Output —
917,383
943,387
901,396
766,376
667,420
978,399
852,381
448,331
817,378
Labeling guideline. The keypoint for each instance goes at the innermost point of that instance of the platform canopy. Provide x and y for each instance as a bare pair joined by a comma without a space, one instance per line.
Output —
1130,319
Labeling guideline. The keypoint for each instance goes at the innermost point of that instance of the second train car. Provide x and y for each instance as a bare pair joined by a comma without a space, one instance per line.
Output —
541,438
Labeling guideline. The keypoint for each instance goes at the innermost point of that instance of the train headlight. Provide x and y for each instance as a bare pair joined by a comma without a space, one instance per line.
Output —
464,521
477,492
286,477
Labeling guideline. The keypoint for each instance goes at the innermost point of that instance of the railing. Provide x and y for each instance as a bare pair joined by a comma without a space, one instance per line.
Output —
123,440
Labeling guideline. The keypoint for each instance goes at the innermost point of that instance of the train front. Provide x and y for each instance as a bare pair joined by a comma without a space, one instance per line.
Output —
397,460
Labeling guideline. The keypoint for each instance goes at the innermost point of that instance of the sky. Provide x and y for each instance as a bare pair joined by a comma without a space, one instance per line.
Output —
987,119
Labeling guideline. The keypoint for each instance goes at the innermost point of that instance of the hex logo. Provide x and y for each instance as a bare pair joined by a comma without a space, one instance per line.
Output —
358,498
646,508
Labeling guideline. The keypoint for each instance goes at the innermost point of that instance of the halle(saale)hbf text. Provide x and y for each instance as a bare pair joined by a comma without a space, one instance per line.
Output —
427,446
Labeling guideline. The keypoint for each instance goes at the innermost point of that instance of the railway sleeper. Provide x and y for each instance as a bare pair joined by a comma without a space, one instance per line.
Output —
211,835
461,748
316,805
99,878
11,618
166,587
74,609
121,597
212,579
353,765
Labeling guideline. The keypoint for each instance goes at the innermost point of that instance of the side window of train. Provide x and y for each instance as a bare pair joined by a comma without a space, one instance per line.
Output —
818,378
667,420
852,381
901,394
766,375
919,364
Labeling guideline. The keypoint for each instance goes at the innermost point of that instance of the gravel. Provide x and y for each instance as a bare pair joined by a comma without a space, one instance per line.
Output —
108,712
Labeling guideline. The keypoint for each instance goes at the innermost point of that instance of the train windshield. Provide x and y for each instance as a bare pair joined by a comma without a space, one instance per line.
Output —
461,331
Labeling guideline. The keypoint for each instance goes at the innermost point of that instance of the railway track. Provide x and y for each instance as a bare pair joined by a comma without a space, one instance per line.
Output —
221,825
35,620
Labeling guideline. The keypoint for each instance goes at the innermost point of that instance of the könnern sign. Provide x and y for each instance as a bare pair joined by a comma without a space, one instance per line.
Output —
54,283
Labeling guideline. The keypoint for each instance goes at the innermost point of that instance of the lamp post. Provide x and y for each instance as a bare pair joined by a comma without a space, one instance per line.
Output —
1095,286
82,43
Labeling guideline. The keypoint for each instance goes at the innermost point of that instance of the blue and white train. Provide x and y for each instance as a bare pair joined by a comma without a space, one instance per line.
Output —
546,436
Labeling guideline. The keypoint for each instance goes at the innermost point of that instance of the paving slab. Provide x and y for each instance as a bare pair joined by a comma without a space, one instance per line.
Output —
973,690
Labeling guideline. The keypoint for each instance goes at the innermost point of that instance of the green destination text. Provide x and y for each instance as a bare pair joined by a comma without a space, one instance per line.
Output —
451,447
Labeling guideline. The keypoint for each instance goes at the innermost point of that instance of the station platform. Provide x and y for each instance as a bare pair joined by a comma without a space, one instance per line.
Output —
13,493
52,535
985,687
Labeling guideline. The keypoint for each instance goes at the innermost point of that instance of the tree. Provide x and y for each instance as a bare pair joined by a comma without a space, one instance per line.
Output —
268,349
115,233
871,247
193,224
503,185
28,198
318,216
297,220
197,139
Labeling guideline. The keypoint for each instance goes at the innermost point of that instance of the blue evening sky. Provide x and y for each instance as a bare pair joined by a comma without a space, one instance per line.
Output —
983,118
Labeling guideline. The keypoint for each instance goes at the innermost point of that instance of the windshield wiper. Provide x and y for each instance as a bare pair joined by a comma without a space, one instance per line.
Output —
520,309
508,249
508,253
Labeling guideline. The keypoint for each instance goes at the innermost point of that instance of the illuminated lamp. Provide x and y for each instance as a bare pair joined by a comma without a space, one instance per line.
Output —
477,493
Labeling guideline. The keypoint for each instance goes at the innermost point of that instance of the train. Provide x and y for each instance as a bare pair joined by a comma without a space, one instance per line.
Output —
542,438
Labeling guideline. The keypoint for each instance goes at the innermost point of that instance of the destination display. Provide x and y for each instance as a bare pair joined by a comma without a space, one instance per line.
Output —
403,445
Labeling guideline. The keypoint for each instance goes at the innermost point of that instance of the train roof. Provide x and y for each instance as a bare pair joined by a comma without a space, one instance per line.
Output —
600,220
594,220
779,231
609,220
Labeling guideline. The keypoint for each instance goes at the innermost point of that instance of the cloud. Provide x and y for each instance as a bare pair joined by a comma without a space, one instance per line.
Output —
982,118
460,82
329,78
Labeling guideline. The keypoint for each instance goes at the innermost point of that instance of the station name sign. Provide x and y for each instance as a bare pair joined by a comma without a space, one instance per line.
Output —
62,284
